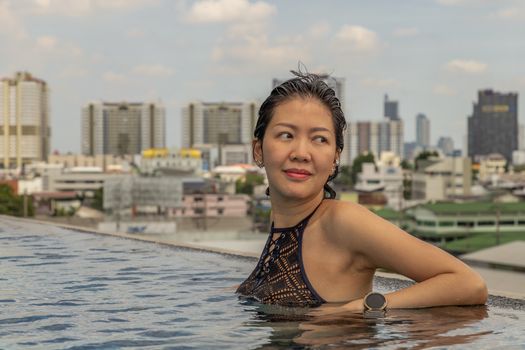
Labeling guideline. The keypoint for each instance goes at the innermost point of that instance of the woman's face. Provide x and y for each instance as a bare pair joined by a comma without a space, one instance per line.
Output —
298,149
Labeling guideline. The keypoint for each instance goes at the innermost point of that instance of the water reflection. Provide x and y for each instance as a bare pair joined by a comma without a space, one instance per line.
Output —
415,329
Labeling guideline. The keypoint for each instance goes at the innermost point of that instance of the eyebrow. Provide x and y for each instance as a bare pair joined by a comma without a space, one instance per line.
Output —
294,127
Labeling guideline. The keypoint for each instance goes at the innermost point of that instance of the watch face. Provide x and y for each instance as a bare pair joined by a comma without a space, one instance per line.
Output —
375,300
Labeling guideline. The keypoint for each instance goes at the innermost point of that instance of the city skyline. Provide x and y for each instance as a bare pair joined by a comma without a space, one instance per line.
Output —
432,57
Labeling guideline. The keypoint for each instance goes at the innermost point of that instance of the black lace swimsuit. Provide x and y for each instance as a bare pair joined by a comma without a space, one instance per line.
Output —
279,277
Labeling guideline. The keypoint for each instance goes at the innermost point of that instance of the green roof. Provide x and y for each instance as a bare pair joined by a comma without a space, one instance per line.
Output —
390,214
474,207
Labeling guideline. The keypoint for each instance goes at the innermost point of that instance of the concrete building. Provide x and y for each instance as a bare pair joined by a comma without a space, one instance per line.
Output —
218,123
106,162
171,162
24,120
376,137
446,145
390,109
491,165
422,130
82,180
387,179
441,220
493,125
121,128
212,205
442,179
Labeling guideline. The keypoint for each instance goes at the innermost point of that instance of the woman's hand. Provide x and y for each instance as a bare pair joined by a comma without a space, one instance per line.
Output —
355,306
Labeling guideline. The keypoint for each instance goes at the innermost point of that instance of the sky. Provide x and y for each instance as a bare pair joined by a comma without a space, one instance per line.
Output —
430,55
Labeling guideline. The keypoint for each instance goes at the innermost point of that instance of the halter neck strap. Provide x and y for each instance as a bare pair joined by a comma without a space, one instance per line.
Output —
291,228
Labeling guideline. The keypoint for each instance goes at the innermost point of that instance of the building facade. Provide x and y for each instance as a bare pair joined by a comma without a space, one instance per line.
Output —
422,130
376,137
493,125
442,179
122,128
218,123
390,109
446,145
24,120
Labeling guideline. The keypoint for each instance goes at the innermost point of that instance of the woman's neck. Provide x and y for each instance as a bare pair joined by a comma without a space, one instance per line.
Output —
287,213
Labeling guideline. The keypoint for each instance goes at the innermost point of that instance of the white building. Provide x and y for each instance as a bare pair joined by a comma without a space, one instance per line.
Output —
441,179
491,165
122,128
173,161
218,123
24,120
387,179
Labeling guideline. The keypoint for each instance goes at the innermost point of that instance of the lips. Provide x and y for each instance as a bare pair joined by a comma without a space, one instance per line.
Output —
298,174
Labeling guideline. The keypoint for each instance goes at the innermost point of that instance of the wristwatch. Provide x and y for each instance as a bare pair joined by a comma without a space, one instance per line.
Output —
374,305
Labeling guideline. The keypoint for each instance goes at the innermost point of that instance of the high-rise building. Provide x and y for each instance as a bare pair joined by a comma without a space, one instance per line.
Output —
122,128
446,144
493,125
390,109
24,120
337,84
376,137
422,130
218,123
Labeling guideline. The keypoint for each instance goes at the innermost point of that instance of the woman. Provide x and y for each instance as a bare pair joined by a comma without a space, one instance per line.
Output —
323,250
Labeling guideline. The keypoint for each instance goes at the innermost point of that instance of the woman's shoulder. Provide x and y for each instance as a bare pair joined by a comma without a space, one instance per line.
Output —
341,216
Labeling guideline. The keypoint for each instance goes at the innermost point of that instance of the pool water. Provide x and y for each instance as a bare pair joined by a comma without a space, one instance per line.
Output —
62,289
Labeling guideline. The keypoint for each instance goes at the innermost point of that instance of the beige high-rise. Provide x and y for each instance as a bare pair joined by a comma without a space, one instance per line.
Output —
24,120
120,128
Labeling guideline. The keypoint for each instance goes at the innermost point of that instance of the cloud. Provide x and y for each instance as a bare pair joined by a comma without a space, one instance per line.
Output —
443,90
466,66
46,42
319,30
379,83
357,38
510,13
113,77
86,7
153,70
406,32
216,11
136,33
11,24
461,2
73,72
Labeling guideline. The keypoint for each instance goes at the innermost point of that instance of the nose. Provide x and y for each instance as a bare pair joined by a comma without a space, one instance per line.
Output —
300,151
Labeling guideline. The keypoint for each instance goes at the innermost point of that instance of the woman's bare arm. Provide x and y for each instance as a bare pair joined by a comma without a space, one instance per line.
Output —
441,278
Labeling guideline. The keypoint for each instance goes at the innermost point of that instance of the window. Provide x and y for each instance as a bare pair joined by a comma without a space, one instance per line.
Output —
466,223
486,223
198,211
220,199
220,211
446,223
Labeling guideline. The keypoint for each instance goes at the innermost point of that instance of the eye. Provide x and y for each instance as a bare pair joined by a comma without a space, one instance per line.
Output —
284,135
320,139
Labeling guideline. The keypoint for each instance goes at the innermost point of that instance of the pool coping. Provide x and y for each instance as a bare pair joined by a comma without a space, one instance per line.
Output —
236,253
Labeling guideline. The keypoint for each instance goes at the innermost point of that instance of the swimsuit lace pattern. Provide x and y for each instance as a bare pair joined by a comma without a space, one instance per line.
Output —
279,277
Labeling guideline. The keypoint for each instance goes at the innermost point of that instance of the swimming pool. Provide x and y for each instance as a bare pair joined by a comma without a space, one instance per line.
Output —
70,290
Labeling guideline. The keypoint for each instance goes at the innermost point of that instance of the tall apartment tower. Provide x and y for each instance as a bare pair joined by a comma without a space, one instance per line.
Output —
422,130
390,109
24,120
337,84
493,125
218,123
376,137
120,128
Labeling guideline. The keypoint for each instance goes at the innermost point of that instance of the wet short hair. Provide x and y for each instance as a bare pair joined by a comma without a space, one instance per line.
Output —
305,85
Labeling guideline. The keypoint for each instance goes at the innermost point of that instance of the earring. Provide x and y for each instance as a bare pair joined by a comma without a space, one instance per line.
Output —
259,163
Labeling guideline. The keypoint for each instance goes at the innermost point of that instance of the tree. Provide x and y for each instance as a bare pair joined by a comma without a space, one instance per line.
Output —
247,184
344,178
357,165
424,156
98,199
12,204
